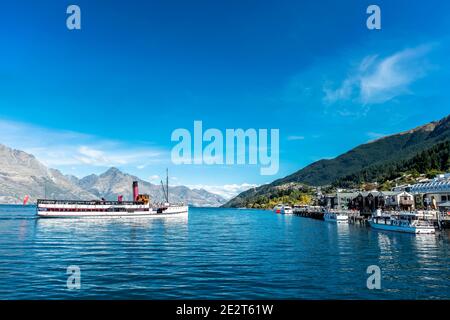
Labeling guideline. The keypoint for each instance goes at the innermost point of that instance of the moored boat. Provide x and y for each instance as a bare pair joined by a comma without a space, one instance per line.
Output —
408,222
282,209
335,216
287,210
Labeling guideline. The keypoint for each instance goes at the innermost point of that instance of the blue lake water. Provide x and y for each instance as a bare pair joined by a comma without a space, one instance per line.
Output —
215,254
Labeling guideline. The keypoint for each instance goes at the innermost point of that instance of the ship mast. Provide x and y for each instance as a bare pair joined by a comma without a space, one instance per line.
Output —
166,187
167,184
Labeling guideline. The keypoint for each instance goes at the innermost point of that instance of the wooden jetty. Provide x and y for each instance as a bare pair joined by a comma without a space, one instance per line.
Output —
311,214
354,216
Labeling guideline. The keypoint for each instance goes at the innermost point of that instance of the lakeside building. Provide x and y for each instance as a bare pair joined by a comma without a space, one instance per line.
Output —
434,194
368,201
427,194
339,200
398,200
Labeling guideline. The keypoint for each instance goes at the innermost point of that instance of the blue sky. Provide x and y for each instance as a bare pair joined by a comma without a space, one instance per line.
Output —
111,93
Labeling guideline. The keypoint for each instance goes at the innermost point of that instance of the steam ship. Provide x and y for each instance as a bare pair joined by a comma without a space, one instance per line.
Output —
139,207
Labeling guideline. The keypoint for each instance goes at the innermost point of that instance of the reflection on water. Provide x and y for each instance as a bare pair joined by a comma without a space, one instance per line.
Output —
338,233
423,242
384,243
86,224
343,229
215,253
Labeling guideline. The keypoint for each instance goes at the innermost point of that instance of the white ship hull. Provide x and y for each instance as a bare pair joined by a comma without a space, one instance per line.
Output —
109,215
335,218
283,210
105,211
406,229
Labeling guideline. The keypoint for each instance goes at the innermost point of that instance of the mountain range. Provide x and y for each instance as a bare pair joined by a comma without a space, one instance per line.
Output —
22,174
386,152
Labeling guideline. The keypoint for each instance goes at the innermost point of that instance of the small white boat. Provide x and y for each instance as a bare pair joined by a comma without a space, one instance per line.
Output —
282,209
401,222
288,210
335,216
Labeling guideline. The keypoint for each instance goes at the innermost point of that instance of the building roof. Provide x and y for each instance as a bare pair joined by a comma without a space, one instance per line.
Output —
374,193
342,194
391,193
432,187
348,194
395,193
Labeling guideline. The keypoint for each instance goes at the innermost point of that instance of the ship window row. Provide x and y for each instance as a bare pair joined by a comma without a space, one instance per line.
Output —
92,210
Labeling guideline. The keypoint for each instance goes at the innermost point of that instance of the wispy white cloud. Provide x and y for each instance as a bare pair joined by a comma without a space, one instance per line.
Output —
377,80
56,148
227,191
154,179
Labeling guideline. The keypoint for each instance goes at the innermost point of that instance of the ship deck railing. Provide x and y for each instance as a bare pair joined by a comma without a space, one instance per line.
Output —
88,202
103,202
161,205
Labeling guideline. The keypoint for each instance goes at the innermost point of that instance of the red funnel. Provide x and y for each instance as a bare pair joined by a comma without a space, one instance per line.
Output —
135,190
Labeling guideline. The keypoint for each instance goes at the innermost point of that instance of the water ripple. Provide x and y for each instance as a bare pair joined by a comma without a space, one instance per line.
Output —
214,254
